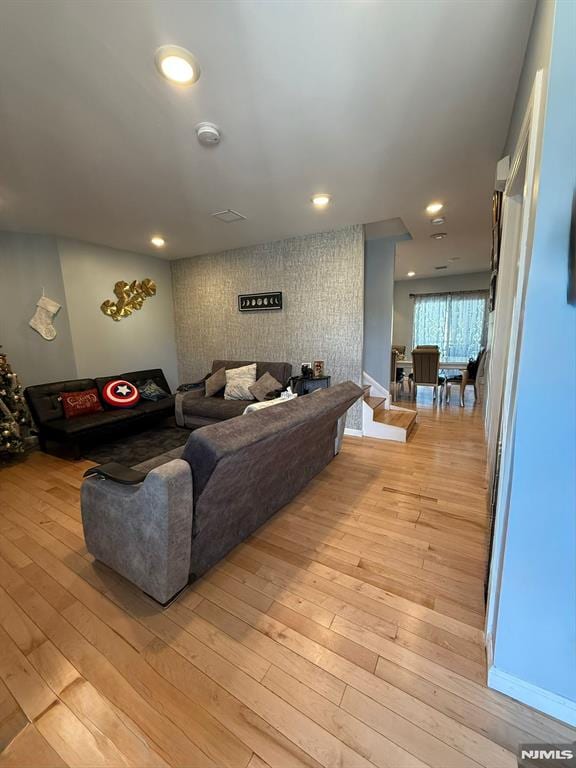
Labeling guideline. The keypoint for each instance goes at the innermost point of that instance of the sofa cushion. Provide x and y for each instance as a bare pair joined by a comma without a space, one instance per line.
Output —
43,399
213,407
265,385
215,383
166,405
280,371
92,421
239,381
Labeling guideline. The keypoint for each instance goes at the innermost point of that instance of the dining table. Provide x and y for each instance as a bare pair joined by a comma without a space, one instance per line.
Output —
446,365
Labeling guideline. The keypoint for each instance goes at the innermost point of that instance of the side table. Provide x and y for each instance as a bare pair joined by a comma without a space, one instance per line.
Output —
303,386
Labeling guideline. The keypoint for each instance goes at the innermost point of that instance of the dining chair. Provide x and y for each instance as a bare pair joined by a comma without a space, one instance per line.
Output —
396,374
425,370
469,376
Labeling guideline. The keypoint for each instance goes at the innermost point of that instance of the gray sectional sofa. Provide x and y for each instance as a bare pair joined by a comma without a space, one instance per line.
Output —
189,513
193,409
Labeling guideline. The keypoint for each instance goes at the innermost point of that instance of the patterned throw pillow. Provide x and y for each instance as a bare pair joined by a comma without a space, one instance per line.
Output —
120,393
215,383
151,391
239,381
264,386
80,403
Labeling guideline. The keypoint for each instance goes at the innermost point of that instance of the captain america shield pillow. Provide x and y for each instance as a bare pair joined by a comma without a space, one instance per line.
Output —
120,394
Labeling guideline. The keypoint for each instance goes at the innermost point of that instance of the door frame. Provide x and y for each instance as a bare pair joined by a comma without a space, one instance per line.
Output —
519,208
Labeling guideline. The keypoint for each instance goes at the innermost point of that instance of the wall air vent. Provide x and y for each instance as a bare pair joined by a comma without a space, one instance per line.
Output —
444,266
228,216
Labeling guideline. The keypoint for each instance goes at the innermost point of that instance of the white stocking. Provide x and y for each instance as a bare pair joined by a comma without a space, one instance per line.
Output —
46,309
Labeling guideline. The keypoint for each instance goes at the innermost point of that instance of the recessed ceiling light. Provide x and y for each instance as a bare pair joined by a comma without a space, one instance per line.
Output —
321,201
434,208
454,258
437,220
438,236
411,274
158,241
177,65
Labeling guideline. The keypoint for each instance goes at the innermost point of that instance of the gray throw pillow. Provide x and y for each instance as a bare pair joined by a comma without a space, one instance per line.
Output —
238,381
215,383
264,386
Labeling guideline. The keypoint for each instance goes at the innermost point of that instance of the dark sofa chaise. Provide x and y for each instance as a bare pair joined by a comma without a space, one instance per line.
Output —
190,512
53,427
193,409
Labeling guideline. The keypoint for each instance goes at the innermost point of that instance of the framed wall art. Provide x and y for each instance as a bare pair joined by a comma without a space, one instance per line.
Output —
260,302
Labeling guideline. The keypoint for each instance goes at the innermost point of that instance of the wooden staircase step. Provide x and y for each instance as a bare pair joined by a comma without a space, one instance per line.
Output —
374,402
403,419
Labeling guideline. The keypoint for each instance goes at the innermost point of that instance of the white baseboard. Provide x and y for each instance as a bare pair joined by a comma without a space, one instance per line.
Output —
489,645
545,701
353,432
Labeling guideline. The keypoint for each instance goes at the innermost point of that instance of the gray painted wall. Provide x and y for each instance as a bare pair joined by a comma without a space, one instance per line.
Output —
322,280
146,339
404,305
378,308
29,263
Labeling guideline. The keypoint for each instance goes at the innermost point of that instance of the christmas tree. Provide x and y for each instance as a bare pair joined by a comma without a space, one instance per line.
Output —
15,418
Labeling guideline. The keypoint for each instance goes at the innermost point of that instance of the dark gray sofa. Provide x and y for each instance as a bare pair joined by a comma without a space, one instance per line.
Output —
193,409
81,431
188,513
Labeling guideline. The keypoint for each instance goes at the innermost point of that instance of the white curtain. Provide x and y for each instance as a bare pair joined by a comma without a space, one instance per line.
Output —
455,322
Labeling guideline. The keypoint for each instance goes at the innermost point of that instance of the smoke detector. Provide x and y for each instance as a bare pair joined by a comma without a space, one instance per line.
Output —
208,134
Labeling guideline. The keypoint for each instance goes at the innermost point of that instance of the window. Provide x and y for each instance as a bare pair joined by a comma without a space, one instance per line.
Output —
456,322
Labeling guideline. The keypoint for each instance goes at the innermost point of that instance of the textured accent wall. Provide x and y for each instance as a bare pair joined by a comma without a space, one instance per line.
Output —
322,280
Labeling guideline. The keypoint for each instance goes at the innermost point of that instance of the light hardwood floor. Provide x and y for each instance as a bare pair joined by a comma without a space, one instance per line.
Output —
346,632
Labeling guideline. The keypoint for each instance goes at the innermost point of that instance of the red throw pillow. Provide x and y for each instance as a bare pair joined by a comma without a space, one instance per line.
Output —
120,393
80,403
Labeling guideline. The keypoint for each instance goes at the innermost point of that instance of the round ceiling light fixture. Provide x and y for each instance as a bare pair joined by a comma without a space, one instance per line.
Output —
208,134
438,235
410,274
321,200
434,208
177,65
158,241
436,221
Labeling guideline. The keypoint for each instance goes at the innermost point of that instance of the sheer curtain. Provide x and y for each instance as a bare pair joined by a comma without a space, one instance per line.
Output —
456,322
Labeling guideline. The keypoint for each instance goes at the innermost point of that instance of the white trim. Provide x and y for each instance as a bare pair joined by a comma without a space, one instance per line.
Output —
489,645
376,389
524,180
353,432
544,701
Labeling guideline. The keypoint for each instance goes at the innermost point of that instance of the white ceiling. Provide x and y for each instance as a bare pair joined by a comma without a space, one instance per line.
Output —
385,105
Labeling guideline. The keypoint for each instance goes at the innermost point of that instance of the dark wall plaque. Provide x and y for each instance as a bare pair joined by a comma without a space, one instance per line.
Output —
259,302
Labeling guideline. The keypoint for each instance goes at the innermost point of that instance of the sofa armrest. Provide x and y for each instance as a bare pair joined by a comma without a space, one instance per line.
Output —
181,397
117,472
144,532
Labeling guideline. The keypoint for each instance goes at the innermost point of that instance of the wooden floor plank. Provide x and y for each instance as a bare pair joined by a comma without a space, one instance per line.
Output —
346,631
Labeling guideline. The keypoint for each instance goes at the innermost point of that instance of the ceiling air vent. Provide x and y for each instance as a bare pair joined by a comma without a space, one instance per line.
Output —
444,266
228,216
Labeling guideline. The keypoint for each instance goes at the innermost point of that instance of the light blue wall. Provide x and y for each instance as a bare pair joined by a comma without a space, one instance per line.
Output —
79,276
28,264
536,631
378,307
